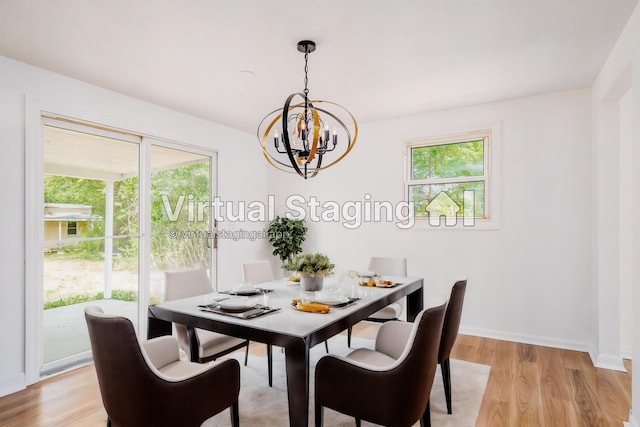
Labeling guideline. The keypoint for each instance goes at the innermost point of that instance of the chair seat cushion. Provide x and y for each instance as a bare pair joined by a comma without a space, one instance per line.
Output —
370,357
182,368
392,311
213,343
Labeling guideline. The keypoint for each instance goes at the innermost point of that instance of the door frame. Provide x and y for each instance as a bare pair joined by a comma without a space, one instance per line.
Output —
34,232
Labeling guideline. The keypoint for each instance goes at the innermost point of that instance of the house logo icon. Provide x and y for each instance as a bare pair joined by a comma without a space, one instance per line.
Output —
444,206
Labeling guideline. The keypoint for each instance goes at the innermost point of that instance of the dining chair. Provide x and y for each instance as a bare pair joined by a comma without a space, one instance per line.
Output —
201,345
257,272
389,385
148,385
385,266
449,334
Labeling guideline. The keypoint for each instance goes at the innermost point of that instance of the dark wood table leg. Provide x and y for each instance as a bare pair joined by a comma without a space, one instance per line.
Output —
415,303
194,345
157,328
297,363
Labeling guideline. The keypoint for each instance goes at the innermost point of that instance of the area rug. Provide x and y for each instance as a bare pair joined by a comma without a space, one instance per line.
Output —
261,405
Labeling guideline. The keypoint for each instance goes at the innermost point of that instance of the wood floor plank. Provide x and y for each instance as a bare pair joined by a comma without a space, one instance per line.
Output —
528,386
586,401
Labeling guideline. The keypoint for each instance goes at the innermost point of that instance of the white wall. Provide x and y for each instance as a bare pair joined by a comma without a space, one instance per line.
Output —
529,280
620,75
241,177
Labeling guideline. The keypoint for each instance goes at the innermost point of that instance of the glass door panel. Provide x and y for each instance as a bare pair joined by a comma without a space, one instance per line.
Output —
181,231
90,251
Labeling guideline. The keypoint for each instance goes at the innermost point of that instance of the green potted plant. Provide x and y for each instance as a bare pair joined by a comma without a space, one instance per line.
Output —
286,236
312,269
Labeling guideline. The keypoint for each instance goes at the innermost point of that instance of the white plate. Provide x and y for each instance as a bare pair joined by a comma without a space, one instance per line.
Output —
330,298
236,304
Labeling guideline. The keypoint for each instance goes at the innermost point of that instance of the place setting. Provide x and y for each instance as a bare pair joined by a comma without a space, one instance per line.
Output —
239,307
246,289
236,302
322,301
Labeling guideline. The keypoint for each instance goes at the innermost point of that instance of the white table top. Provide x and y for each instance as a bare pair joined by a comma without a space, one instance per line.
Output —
287,320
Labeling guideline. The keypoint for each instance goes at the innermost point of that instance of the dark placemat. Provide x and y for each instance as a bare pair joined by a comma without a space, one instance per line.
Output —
258,291
252,312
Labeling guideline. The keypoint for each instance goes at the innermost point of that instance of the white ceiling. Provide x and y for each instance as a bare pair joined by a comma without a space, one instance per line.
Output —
234,61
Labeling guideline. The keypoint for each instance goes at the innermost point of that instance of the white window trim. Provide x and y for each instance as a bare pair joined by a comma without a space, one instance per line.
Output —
493,171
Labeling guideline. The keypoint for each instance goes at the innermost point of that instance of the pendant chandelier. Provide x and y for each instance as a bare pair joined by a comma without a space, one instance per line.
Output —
296,137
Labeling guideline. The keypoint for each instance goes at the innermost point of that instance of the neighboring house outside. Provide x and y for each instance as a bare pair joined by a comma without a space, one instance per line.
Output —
65,221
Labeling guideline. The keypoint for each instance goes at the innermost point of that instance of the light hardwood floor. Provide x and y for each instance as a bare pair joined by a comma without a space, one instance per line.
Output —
528,386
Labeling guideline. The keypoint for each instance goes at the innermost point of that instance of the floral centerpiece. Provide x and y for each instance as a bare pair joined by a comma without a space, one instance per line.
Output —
312,269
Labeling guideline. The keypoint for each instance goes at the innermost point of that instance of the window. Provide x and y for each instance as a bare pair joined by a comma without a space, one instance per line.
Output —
72,228
449,176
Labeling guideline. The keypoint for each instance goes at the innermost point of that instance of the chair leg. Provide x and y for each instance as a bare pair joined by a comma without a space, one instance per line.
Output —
270,364
326,346
349,330
445,367
425,421
319,415
246,354
235,414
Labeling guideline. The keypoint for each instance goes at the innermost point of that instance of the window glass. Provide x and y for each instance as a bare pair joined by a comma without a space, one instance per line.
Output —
449,176
448,160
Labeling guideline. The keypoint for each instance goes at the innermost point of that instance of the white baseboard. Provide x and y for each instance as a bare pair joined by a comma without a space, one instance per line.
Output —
600,361
614,363
633,421
12,384
527,339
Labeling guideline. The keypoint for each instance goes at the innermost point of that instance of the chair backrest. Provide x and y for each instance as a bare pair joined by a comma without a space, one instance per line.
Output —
418,367
257,272
393,395
186,283
452,320
125,379
388,266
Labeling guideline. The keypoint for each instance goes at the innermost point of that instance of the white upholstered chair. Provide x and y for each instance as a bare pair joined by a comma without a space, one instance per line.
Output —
386,266
257,272
203,345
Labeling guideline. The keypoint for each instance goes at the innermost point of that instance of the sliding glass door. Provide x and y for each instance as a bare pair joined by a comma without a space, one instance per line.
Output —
118,211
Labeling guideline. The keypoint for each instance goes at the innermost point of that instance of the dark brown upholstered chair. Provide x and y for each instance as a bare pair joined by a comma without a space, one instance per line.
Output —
150,385
202,345
449,335
389,385
385,266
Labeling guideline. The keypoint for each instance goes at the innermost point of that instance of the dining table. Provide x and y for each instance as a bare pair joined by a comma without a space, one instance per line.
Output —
296,331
